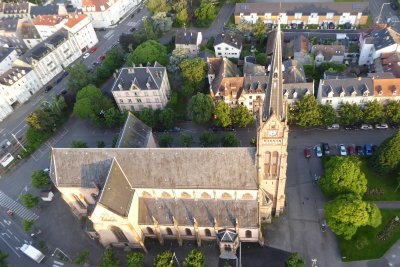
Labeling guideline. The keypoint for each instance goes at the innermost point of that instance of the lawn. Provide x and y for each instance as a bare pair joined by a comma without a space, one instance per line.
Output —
365,245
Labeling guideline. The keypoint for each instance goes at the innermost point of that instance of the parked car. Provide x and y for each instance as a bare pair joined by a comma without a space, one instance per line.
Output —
381,126
64,92
65,74
132,29
86,55
318,151
352,150
360,151
93,49
307,153
326,148
333,127
366,127
368,149
101,58
342,150
48,88
374,149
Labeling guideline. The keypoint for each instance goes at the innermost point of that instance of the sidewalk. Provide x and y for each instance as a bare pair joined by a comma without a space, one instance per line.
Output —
388,205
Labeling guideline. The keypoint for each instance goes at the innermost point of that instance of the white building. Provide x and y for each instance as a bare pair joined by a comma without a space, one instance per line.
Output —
81,31
17,85
47,25
228,45
137,88
189,40
7,56
376,42
104,14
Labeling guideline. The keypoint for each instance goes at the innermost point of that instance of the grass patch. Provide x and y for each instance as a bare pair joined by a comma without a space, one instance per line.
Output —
365,245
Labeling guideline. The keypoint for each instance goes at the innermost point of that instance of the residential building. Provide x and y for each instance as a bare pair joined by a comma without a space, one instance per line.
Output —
137,88
81,31
51,9
386,89
8,33
19,9
328,53
374,43
219,70
228,45
304,13
29,35
189,40
300,50
17,85
388,62
351,90
47,25
7,56
104,13
130,194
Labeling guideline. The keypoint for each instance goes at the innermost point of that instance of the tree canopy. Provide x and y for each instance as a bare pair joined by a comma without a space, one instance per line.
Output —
155,6
162,23
373,112
135,259
167,118
294,261
29,201
148,116
148,52
194,71
186,140
201,108
208,139
230,140
306,112
40,179
195,258
206,13
343,175
165,140
78,77
387,158
109,259
328,114
350,114
223,114
241,116
348,212
392,111
164,259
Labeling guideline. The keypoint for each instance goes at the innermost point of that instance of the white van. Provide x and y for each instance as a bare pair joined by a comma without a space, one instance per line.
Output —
333,127
32,253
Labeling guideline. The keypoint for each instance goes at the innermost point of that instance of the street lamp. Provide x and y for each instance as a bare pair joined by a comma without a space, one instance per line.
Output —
379,16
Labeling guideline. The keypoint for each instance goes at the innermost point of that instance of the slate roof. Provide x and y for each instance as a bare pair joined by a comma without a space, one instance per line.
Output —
134,133
158,167
300,44
222,68
37,52
51,9
253,84
350,87
9,24
186,37
328,51
117,192
13,74
144,78
295,91
253,69
14,8
382,38
205,211
294,72
4,52
57,38
229,38
302,7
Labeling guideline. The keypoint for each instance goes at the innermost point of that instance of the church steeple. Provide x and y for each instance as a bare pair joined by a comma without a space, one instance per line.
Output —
273,102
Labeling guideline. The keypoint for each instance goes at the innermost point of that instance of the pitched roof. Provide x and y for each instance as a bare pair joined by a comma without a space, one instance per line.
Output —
5,51
95,5
222,68
27,30
48,20
253,84
57,38
229,38
347,87
225,235
387,87
294,72
204,211
186,37
14,8
302,7
74,19
134,133
231,87
297,90
382,38
51,9
9,24
12,75
117,192
158,167
328,51
301,44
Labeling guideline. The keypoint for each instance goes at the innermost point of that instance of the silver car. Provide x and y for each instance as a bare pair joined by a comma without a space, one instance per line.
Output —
318,151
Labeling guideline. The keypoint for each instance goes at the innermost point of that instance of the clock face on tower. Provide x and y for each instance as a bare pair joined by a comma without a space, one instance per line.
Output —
271,133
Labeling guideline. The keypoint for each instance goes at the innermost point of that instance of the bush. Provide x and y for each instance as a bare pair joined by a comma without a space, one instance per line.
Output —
27,225
165,140
208,139
83,258
40,179
29,201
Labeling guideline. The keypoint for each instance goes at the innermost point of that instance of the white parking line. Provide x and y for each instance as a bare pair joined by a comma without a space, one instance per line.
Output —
10,246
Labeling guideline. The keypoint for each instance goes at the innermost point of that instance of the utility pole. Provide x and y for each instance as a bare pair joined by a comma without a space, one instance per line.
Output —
19,143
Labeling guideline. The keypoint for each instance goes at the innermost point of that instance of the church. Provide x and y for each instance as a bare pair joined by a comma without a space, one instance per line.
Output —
137,190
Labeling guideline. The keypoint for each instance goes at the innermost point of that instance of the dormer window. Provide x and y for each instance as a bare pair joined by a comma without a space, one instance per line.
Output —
366,93
380,92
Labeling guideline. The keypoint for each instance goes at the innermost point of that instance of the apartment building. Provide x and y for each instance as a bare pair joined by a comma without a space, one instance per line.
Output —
355,13
140,87
7,56
47,25
386,89
188,40
228,44
19,9
81,31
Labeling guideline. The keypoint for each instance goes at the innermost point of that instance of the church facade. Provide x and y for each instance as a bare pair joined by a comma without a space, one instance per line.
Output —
138,191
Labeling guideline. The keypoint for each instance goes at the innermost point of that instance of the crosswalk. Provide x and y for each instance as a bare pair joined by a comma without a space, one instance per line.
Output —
109,34
17,208
57,263
132,23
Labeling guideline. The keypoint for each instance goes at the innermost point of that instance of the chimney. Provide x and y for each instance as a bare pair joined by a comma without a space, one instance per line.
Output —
120,87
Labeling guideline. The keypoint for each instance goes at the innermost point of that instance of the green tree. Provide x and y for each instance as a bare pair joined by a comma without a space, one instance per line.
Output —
42,120
78,144
343,175
29,201
387,159
230,140
392,111
373,112
186,140
223,114
261,59
128,42
149,51
187,88
348,212
167,118
78,77
241,116
208,139
102,74
146,32
155,6
195,258
328,114
205,13
40,179
135,259
259,29
162,23
114,58
235,1
27,225
149,117
82,259
176,58
100,144
3,257
112,117
182,17
164,259
294,261
165,140
350,114
109,259
306,112
201,108
193,71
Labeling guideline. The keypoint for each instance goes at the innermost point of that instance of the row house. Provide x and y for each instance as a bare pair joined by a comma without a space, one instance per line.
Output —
136,88
9,33
386,89
7,56
355,13
19,9
104,13
328,53
17,85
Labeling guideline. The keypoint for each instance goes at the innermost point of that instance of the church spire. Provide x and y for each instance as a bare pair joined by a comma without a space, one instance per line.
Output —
273,102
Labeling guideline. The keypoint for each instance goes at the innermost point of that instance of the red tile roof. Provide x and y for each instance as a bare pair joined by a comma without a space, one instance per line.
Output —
48,20
96,3
74,19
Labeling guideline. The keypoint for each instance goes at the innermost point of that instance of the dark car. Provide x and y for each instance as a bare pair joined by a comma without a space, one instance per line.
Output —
64,92
326,149
394,5
374,149
368,149
132,29
360,151
352,150
48,88
65,74
307,153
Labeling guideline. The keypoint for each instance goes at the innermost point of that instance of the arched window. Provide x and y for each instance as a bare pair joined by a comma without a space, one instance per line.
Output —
188,232
207,232
150,231
226,196
205,195
169,231
119,234
165,195
247,196
185,195
248,234
146,194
